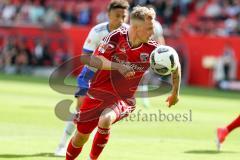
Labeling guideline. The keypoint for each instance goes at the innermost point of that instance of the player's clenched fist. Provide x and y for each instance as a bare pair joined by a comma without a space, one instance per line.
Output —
172,100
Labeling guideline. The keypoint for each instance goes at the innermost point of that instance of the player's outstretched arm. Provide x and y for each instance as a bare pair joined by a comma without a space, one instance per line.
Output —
176,81
100,62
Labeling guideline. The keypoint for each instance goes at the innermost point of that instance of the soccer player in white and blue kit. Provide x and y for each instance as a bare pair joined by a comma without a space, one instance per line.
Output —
118,15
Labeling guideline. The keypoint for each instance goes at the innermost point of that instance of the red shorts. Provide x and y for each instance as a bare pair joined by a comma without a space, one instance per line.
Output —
91,109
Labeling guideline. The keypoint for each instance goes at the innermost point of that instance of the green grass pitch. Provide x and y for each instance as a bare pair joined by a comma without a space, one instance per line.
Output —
30,130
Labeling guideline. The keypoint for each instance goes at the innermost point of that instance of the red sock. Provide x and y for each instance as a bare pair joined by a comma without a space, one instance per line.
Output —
99,142
234,124
72,152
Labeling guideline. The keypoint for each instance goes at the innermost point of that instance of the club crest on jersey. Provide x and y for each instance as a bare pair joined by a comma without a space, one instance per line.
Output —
144,57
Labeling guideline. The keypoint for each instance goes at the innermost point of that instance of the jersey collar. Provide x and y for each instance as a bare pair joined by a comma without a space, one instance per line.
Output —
128,42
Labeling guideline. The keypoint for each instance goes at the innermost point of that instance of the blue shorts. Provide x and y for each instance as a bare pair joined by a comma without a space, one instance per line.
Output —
83,80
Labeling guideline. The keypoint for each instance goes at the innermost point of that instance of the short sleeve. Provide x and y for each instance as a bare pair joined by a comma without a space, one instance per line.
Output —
91,42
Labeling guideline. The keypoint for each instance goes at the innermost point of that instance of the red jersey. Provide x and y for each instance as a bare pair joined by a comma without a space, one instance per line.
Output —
116,48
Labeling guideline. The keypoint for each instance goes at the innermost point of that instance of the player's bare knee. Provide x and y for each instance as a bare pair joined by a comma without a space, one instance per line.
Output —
105,121
107,118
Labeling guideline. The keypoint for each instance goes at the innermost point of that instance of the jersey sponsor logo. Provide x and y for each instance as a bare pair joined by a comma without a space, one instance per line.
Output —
132,65
144,57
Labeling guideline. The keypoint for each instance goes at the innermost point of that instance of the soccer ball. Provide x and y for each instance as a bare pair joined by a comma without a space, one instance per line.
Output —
163,60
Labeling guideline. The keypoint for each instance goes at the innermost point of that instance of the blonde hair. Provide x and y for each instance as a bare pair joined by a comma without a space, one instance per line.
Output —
142,13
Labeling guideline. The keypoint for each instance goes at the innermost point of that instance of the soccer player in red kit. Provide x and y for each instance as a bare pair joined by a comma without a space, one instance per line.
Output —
121,60
222,133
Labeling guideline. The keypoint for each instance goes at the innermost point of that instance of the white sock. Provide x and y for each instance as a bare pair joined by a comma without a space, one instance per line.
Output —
70,128
68,131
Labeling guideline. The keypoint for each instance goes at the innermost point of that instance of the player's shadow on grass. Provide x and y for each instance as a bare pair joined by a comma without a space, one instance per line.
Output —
207,152
27,155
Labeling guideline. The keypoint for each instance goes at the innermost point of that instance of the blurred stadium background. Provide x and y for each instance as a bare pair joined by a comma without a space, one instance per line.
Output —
38,35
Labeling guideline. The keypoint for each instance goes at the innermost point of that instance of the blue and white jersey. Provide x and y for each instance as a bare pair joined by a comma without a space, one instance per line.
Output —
95,36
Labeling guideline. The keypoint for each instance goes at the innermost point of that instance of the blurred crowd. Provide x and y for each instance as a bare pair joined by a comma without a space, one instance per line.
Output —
213,17
17,57
44,12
